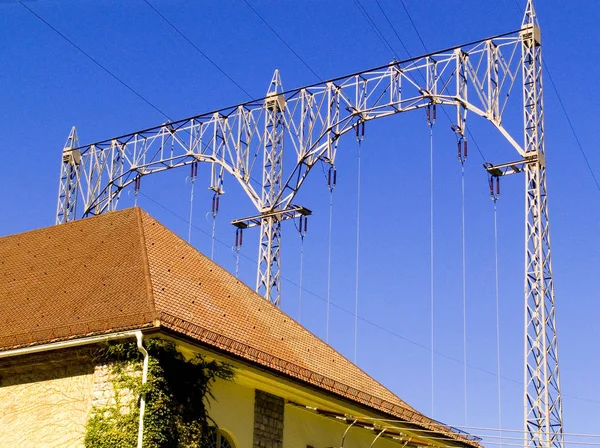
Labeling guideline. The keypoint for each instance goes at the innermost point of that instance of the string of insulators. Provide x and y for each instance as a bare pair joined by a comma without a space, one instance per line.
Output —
462,149
137,184
332,178
360,131
303,226
431,114
239,238
215,204
193,171
494,187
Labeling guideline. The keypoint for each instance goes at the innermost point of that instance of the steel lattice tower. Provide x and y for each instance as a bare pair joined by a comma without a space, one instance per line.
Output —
543,403
475,78
267,277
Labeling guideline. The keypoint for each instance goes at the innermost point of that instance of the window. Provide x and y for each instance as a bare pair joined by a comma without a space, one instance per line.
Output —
220,439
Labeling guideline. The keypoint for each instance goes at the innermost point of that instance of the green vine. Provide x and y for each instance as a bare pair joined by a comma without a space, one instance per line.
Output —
176,391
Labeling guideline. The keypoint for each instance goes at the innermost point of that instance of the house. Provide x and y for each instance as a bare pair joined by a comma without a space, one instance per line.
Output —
123,276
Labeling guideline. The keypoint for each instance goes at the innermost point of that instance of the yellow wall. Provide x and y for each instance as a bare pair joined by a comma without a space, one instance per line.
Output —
233,410
45,405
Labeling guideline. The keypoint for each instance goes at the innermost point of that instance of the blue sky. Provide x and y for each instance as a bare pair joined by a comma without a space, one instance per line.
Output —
48,86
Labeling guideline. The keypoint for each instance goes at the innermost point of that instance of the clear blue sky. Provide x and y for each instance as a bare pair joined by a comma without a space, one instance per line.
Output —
47,86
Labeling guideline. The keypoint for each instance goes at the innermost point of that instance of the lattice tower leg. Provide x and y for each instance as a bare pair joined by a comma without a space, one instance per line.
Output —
542,399
69,179
269,260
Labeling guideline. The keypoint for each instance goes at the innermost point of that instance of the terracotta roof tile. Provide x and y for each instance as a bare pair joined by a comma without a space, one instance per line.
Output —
73,279
124,270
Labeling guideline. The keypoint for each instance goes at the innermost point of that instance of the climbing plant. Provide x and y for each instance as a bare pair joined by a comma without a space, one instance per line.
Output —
176,391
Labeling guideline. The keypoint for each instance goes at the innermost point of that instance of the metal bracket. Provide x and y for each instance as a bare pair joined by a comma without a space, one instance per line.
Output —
292,212
505,169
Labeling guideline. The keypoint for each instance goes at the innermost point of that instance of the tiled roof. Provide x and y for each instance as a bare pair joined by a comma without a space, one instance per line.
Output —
125,270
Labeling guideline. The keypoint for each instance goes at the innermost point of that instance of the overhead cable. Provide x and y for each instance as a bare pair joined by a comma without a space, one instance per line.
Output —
375,28
95,61
214,64
282,40
393,28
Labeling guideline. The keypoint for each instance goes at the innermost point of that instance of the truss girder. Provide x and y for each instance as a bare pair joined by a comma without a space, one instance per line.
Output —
478,77
542,398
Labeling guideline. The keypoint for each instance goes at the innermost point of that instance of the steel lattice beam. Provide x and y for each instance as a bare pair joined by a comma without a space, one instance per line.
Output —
477,77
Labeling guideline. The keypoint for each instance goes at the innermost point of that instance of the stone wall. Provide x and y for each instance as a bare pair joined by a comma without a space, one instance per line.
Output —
268,420
104,394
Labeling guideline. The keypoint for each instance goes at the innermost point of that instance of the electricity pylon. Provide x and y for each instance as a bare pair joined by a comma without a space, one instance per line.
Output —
543,402
477,78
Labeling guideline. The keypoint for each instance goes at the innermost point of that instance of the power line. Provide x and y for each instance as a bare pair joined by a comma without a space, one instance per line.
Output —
579,145
393,28
198,49
95,61
414,26
375,28
283,40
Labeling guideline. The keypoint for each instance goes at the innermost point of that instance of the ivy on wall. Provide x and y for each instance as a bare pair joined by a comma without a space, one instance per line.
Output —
177,392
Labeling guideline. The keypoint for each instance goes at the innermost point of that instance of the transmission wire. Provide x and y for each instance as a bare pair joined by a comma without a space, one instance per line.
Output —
497,311
193,180
362,319
197,49
375,28
301,276
357,254
329,262
212,243
95,61
393,28
579,145
282,40
414,26
431,272
464,285
471,137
